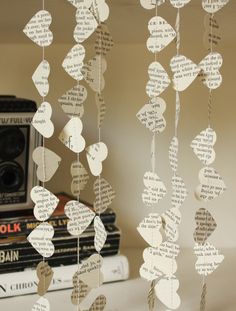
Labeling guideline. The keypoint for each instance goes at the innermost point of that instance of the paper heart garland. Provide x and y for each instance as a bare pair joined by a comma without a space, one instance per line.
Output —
47,161
212,6
40,78
159,80
172,219
210,74
100,9
80,217
151,4
208,258
86,24
185,72
162,34
45,203
80,178
206,225
45,275
90,271
41,239
38,30
79,3
155,189
73,62
149,229
211,185
203,144
71,136
101,106
80,290
104,195
166,291
100,234
104,42
173,154
179,191
151,115
42,120
42,304
72,101
212,35
96,154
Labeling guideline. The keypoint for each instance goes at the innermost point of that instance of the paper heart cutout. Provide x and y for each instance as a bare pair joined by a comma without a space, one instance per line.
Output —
168,249
185,72
80,217
172,219
38,30
179,191
41,239
86,24
73,62
162,34
211,185
151,4
47,161
149,229
173,153
166,291
206,225
93,72
155,189
151,115
212,35
80,178
45,275
96,154
104,42
40,78
90,271
42,120
213,6
159,80
179,3
99,304
79,3
100,10
210,74
208,258
203,144
71,136
101,106
100,234
72,101
80,290
45,203
42,304
104,195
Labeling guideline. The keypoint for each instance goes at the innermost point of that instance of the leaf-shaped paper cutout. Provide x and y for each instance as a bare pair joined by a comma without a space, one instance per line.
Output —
173,153
40,78
80,290
149,229
158,80
100,234
90,271
104,42
166,291
73,62
104,195
86,24
101,106
42,120
80,178
206,225
213,6
96,154
45,275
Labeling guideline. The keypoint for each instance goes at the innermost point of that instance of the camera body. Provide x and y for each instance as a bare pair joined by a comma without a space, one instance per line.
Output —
18,139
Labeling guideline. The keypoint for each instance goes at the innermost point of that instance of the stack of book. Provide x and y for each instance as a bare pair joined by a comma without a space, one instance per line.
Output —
18,259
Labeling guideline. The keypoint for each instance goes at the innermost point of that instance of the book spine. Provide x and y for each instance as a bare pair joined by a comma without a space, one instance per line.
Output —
115,268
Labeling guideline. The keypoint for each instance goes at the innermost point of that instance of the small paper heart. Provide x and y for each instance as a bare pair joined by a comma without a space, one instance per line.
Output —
80,178
159,80
42,120
178,4
86,24
73,62
90,271
206,225
151,4
155,189
213,6
166,291
149,229
79,3
104,195
45,275
80,290
96,154
100,234
100,10
104,42
42,304
210,74
40,78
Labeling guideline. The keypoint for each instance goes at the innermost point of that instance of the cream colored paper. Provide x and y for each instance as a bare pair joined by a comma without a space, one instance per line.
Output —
166,291
178,4
42,304
42,120
173,154
149,229
155,189
210,67
104,195
86,24
104,42
158,80
99,304
40,78
79,3
179,193
80,290
172,219
96,154
100,234
213,6
73,62
100,10
90,271
101,106
206,225
212,35
151,4
80,178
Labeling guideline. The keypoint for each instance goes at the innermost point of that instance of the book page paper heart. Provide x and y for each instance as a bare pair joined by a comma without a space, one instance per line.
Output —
159,80
79,3
166,291
100,234
213,6
172,219
45,275
178,4
86,24
42,304
210,74
80,217
101,106
80,178
104,195
206,225
179,191
41,239
104,42
168,249
96,154
42,120
173,154
45,203
40,78
73,62
80,290
149,229
151,4
38,30
212,35
100,10
90,271
155,189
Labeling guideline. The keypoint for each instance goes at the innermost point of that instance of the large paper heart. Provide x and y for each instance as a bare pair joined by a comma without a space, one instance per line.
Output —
104,195
206,225
45,275
208,258
179,3
172,219
100,10
79,3
210,74
149,229
179,191
100,234
151,115
42,304
173,153
45,203
151,4
104,42
159,80
47,161
93,72
42,120
72,101
155,189
38,30
211,185
213,6
96,154
90,271
86,24
203,144
162,34
71,136
40,78
80,178
80,290
101,106
185,72
73,62
80,217
212,35
166,291
41,239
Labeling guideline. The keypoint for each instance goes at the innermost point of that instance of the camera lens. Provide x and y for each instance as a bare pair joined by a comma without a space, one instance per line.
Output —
12,143
11,177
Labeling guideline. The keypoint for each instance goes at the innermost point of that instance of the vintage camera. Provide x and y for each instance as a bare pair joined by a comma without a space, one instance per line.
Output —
18,139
